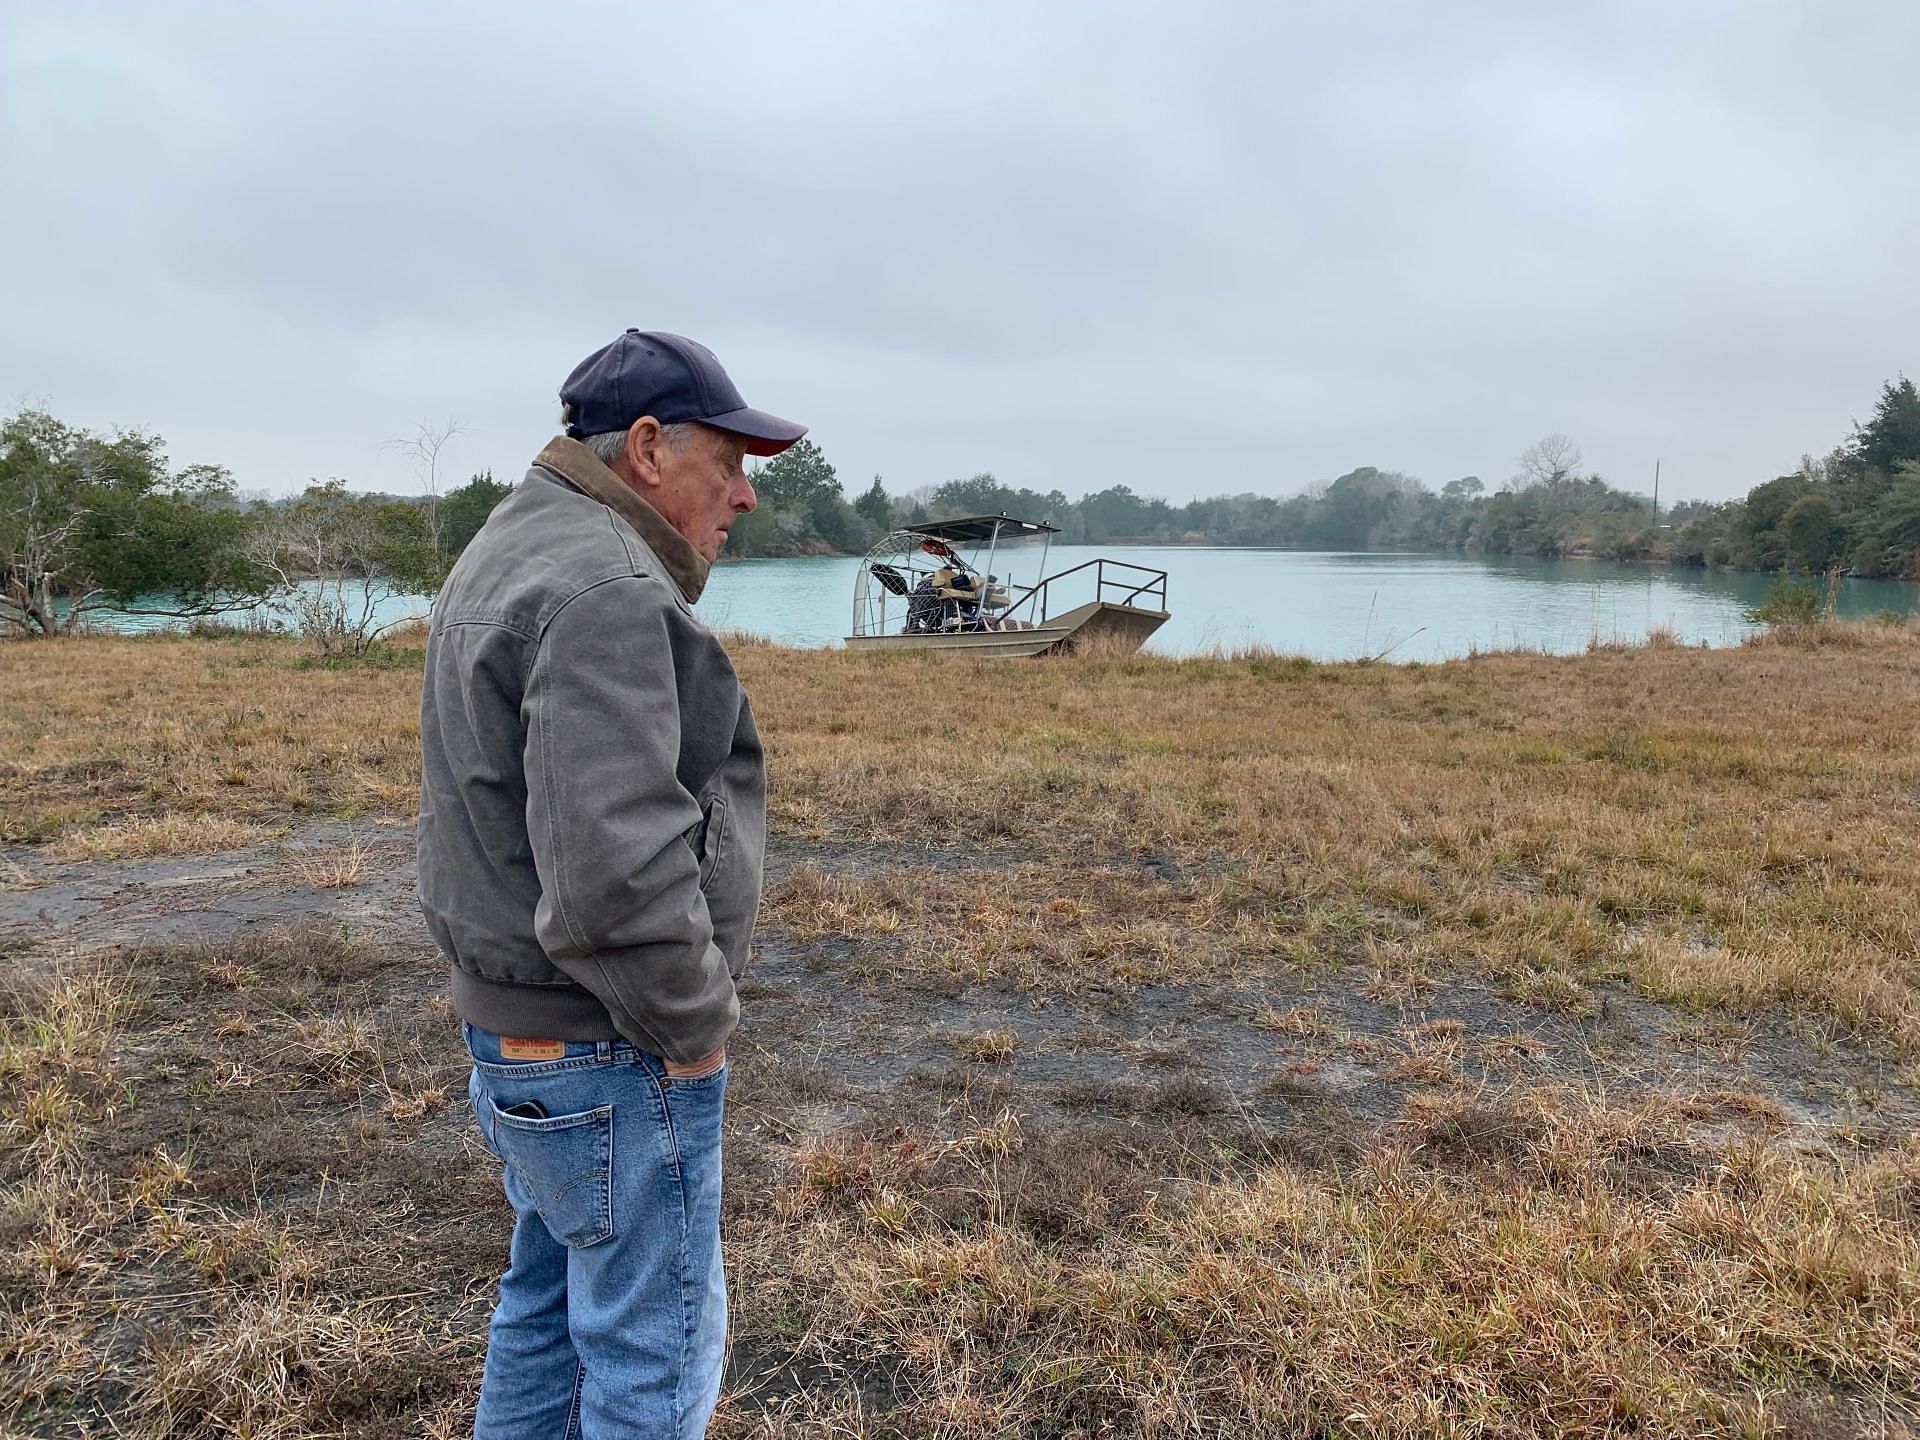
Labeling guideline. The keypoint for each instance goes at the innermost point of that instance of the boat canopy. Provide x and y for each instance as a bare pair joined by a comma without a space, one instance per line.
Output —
975,528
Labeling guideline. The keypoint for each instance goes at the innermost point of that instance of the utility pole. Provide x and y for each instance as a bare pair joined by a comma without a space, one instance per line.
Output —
1656,494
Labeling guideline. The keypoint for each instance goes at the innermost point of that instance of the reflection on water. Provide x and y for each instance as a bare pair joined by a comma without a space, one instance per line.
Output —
1327,605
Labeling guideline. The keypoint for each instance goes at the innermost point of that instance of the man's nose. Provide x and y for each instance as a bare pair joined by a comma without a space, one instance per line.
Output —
744,500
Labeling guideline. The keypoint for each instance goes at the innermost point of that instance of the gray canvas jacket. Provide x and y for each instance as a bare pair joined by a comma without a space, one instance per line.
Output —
592,792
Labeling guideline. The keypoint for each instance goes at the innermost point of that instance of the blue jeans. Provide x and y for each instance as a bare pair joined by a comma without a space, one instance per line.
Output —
613,1312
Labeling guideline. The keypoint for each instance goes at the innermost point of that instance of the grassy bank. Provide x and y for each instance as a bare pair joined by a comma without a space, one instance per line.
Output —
1733,827
1518,1046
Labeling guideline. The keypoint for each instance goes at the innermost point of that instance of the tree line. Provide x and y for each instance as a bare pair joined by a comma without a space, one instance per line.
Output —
1857,510
91,523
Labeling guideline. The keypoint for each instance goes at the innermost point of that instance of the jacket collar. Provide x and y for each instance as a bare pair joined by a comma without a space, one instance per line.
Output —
580,467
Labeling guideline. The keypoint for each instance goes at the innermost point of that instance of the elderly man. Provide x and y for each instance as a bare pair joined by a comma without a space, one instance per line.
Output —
592,823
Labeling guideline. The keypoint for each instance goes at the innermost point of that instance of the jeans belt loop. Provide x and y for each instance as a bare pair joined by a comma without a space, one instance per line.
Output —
602,1051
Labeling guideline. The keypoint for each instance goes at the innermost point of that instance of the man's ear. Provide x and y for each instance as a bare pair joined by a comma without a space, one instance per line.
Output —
644,442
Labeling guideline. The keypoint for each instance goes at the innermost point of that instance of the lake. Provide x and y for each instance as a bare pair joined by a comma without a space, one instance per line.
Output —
1406,606
1329,605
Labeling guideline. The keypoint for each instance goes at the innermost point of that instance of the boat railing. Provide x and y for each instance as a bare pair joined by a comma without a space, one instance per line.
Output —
1119,589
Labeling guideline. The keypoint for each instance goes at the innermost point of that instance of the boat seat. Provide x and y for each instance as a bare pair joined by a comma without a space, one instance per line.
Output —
891,579
949,585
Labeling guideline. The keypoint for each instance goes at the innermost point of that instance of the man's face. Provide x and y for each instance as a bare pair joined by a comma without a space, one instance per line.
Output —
704,488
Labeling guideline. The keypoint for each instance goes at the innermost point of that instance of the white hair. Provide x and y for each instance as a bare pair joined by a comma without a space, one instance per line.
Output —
610,445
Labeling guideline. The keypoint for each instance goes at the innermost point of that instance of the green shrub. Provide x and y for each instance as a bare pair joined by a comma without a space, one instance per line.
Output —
1788,602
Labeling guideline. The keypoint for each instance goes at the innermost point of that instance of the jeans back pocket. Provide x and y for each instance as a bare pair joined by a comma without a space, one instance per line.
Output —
566,1162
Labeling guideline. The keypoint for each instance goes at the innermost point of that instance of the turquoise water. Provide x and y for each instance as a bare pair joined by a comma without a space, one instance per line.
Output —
1333,606
272,616
1327,605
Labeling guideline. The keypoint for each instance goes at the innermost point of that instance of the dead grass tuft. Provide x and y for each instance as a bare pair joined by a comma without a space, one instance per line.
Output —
1830,633
988,1047
158,835
1476,1132
284,1365
335,868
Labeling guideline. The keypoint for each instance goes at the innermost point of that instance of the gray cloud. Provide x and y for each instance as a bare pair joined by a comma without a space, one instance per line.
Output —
1191,249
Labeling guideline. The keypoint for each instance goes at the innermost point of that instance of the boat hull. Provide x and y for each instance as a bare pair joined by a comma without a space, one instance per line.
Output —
1117,628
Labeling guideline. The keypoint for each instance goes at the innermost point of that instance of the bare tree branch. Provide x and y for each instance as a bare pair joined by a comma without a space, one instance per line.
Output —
337,558
1550,460
425,446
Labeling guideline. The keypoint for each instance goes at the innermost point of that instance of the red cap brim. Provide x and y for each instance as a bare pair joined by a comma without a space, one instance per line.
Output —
765,434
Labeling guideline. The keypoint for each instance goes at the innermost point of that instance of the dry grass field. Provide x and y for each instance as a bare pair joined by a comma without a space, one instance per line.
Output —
1520,1046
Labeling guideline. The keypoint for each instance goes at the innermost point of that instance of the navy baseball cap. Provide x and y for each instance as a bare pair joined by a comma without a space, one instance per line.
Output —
673,379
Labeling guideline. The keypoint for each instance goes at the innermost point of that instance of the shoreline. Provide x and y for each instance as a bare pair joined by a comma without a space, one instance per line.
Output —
1637,562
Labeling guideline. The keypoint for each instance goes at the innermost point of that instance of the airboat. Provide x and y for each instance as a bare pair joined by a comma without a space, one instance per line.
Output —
929,586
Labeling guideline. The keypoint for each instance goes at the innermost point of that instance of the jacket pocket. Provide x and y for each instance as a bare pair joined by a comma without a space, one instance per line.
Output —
566,1163
712,836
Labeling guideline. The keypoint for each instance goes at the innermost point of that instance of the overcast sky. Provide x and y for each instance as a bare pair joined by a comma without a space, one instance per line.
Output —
1190,248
